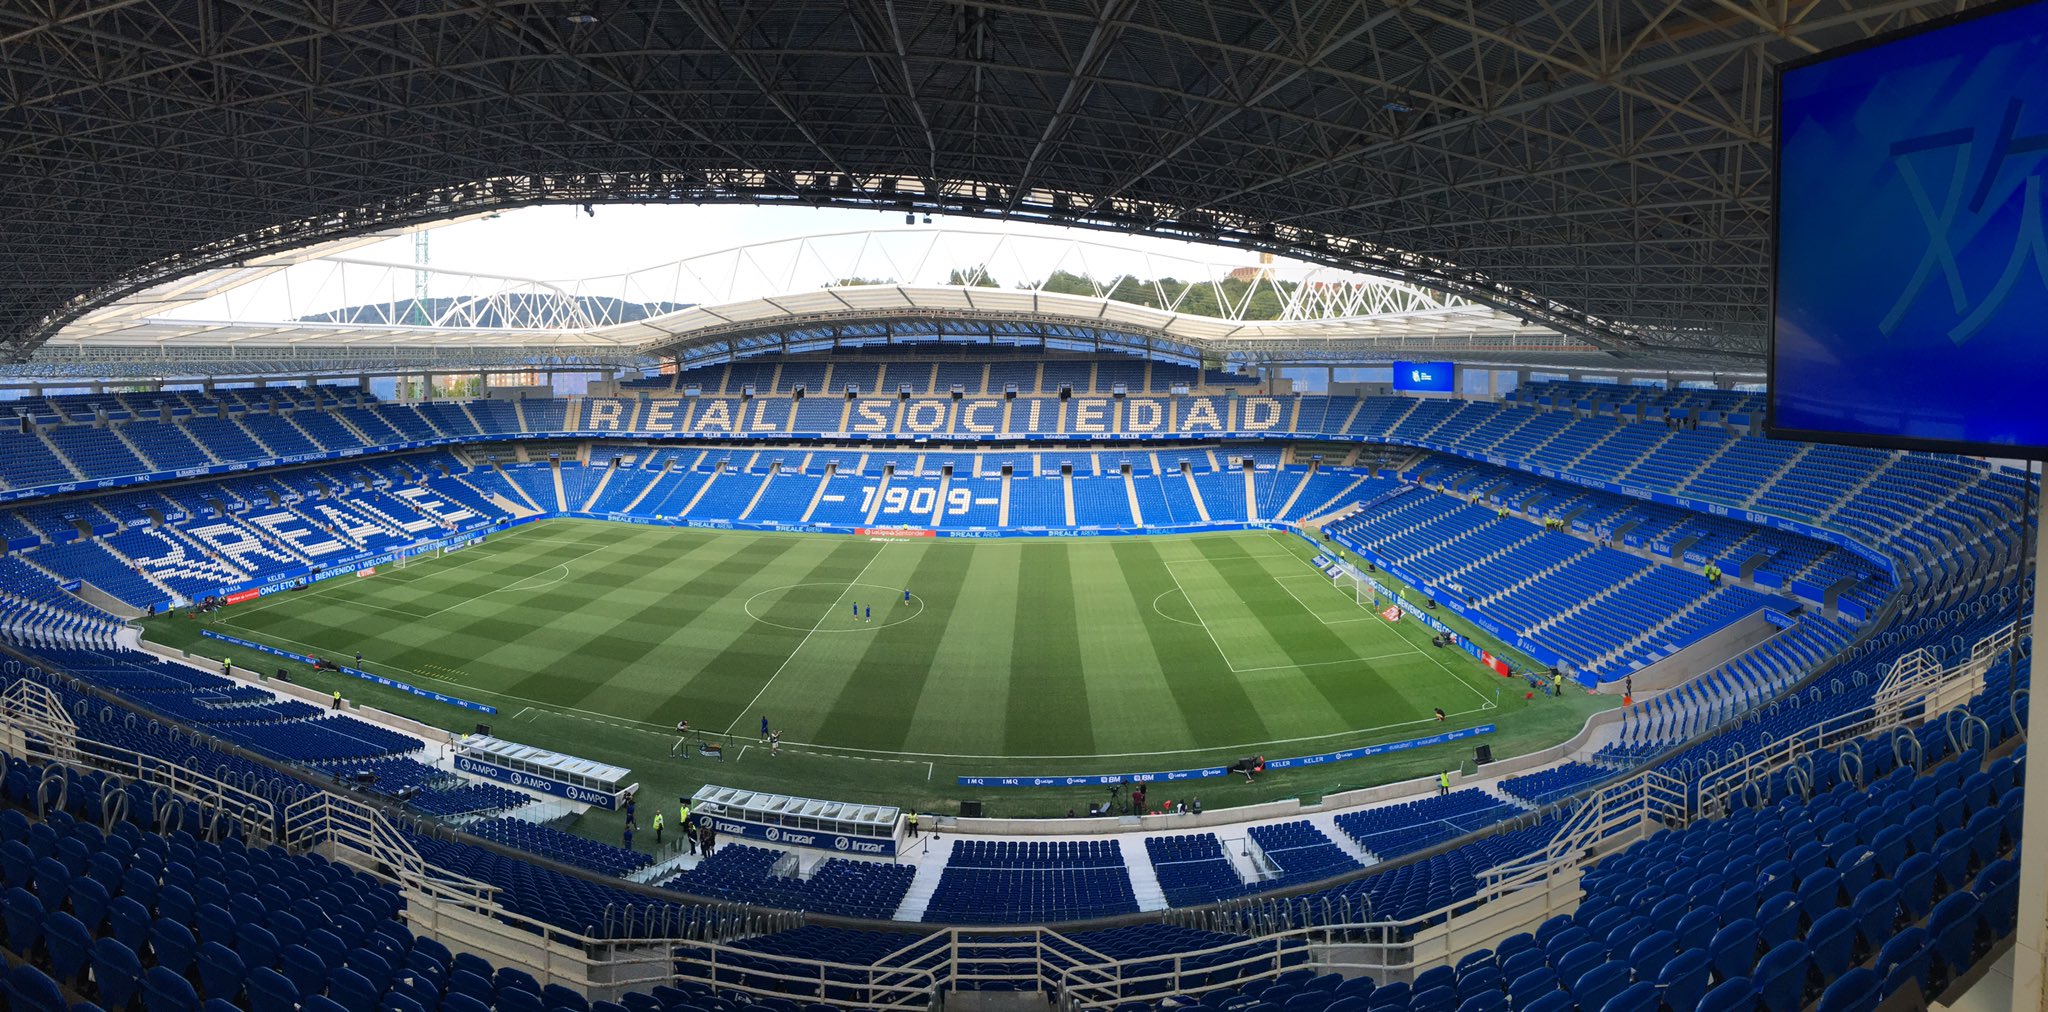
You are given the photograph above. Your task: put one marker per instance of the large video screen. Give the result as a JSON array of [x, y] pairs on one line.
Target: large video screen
[[1910, 306], [1426, 377]]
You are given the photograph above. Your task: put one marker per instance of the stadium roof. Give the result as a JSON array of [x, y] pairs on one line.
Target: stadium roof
[[324, 309], [1601, 170]]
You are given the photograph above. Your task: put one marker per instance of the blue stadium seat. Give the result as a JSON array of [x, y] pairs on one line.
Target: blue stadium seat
[[116, 971], [1685, 979], [1915, 879], [165, 990], [69, 944], [1858, 990], [1734, 949], [271, 991], [1781, 977], [1523, 991], [1832, 938], [1641, 996], [1596, 986], [1958, 932], [221, 972], [172, 946], [1906, 960], [30, 990]]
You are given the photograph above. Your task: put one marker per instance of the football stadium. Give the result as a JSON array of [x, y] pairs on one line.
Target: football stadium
[[825, 506]]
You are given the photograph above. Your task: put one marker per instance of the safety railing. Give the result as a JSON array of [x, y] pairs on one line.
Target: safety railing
[[38, 728], [1917, 690], [1606, 820], [638, 948]]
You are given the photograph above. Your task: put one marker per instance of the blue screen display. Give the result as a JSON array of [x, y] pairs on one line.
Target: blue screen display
[[1427, 377], [1912, 265]]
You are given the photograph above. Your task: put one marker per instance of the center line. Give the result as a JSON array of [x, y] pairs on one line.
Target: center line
[[828, 613]]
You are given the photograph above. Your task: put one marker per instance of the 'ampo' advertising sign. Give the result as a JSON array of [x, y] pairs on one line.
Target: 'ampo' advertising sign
[[531, 782]]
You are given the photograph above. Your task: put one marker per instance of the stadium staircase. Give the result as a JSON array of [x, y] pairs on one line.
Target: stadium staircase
[[1287, 508], [655, 476], [774, 469], [247, 430], [292, 420], [1589, 603], [1650, 633], [875, 507], [1067, 494], [531, 504], [936, 852], [508, 506], [830, 471], [122, 437], [1195, 492], [58, 452], [561, 495], [611, 468], [1791, 461], [1131, 494], [938, 513]]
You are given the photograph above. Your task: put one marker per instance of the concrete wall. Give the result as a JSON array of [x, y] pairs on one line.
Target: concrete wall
[[1702, 656]]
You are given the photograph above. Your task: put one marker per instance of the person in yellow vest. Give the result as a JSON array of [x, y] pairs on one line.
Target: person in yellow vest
[[1443, 783], [910, 823], [657, 829], [337, 699], [684, 821]]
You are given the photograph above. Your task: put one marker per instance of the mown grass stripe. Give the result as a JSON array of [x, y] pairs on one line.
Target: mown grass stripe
[[874, 707], [969, 681], [727, 681], [1048, 708], [1210, 702]]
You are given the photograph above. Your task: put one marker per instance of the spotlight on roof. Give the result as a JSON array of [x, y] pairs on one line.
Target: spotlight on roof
[[588, 210], [582, 17], [910, 219], [927, 219]]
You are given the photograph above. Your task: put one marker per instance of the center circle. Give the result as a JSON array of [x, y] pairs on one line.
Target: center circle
[[824, 622]]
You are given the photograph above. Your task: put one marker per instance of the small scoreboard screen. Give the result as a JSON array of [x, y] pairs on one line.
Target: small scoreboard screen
[[1426, 377]]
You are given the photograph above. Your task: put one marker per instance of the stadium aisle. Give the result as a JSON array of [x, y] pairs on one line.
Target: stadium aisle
[[1144, 877], [931, 863]]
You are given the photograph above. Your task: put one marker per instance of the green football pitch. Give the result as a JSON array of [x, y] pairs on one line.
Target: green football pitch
[[1013, 656]]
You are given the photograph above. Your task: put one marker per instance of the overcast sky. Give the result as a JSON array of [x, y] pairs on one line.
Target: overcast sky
[[563, 242], [631, 251]]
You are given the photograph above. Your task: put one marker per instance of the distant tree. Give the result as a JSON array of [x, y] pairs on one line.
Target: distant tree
[[1233, 297], [857, 282], [976, 276], [1067, 283]]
